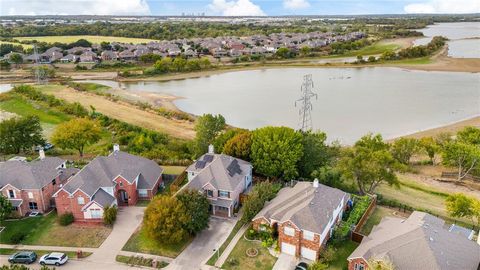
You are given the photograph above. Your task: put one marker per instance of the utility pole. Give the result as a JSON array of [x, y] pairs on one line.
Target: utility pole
[[305, 104]]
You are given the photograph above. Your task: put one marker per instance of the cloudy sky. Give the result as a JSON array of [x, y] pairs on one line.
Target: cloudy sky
[[234, 7]]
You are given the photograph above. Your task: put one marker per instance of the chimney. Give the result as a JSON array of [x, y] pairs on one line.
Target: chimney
[[116, 148], [315, 183], [211, 149], [41, 153]]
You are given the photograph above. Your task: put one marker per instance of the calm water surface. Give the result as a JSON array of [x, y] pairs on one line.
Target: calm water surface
[[464, 38], [351, 101]]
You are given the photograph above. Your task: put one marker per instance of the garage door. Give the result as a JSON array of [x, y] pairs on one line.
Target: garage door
[[309, 254], [288, 249]]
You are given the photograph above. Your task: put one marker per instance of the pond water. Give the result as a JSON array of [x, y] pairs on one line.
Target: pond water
[[5, 87], [351, 101], [464, 38]]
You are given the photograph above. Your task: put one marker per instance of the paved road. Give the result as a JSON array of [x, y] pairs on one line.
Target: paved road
[[201, 248], [79, 265]]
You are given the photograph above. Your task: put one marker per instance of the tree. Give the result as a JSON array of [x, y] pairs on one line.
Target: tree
[[469, 135], [283, 53], [207, 127], [150, 58], [404, 148], [464, 156], [430, 146], [223, 137], [5, 208], [315, 153], [16, 59], [369, 163], [163, 65], [20, 134], [44, 72], [76, 134], [276, 151], [197, 207], [260, 193], [318, 265], [380, 264], [165, 219], [462, 206], [109, 215], [239, 146]]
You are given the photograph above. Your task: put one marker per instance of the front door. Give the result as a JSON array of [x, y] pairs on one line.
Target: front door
[[122, 197]]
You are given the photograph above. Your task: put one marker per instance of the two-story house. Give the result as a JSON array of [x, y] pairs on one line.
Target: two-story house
[[117, 179], [222, 179], [29, 186], [304, 216]]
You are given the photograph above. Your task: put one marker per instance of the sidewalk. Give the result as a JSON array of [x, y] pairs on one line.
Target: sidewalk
[[231, 245], [50, 248]]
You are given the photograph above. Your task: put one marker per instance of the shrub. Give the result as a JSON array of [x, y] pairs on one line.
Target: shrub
[[357, 212], [65, 219], [233, 262], [329, 254], [17, 237], [109, 215]]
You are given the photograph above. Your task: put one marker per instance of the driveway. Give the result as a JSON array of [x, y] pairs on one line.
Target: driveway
[[285, 262], [201, 248]]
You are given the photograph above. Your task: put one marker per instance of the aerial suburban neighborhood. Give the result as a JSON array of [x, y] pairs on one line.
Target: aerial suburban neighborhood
[[239, 135]]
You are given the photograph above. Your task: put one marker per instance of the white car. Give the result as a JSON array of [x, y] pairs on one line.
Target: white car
[[54, 258]]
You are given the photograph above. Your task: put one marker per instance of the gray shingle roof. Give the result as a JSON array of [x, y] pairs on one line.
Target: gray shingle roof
[[309, 208], [218, 172], [101, 171], [30, 175], [103, 198], [420, 242]]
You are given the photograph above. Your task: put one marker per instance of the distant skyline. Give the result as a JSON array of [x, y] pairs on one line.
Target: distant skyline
[[235, 7]]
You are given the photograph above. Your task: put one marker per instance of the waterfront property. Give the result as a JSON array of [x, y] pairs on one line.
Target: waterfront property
[[304, 217], [222, 179], [117, 179], [421, 241], [29, 186]]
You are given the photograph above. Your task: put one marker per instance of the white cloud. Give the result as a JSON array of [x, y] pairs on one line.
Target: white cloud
[[296, 4], [236, 8], [74, 7], [444, 6]]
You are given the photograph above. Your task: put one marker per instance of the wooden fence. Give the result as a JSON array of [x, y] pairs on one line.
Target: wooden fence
[[455, 176], [356, 236]]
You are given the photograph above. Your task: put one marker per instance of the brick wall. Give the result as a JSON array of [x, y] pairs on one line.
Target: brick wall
[[352, 262], [65, 203], [293, 240], [130, 188], [259, 221]]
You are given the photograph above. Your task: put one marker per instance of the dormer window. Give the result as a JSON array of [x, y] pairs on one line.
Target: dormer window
[[11, 194], [224, 194], [120, 184], [209, 193]]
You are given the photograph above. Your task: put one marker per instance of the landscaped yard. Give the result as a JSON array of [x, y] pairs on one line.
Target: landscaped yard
[[44, 230], [238, 259], [377, 215], [344, 249], [140, 242]]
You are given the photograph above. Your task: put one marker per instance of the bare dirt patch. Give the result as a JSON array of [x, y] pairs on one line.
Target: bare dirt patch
[[452, 128]]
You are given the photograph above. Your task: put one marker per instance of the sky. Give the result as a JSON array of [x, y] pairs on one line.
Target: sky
[[234, 7]]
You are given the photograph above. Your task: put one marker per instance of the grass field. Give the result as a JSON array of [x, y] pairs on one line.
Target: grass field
[[344, 249], [141, 243], [173, 169], [377, 48], [25, 46], [92, 39]]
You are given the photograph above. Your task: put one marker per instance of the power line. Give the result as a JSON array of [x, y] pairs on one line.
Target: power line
[[305, 111]]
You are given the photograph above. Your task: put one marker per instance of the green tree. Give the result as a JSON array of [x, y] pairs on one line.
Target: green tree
[[380, 264], [260, 193], [208, 126], [109, 215], [163, 66], [276, 151], [431, 147], [239, 146], [165, 219], [179, 64], [465, 157], [197, 207], [5, 208], [283, 53], [150, 58], [461, 206], [305, 51], [318, 265], [469, 135], [315, 153], [20, 134], [223, 137], [43, 72], [369, 163], [76, 134], [404, 148], [16, 59]]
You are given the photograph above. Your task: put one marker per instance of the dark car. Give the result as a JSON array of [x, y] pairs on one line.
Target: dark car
[[301, 266], [23, 257]]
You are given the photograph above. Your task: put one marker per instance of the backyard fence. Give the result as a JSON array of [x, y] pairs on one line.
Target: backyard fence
[[356, 236]]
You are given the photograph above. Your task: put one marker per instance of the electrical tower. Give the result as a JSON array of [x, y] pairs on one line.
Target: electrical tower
[[40, 77], [305, 104]]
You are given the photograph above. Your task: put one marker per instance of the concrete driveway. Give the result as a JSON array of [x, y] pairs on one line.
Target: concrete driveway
[[201, 248], [285, 262]]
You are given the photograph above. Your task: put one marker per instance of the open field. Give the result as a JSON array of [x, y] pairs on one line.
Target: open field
[[92, 39], [343, 250], [25, 46]]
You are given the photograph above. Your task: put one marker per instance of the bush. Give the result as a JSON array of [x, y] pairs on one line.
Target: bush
[[17, 237], [65, 219], [109, 215], [329, 254], [233, 262], [354, 216]]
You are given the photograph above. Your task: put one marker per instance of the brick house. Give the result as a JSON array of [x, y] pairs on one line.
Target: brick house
[[117, 179], [29, 186], [222, 179], [304, 217], [421, 241]]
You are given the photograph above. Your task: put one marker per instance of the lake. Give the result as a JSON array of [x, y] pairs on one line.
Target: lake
[[464, 38], [351, 101]]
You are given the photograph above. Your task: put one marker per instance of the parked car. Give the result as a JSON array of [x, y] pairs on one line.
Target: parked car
[[54, 258], [45, 147], [23, 257], [301, 266]]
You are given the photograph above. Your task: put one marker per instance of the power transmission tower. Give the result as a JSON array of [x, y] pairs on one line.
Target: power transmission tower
[[305, 104], [36, 66]]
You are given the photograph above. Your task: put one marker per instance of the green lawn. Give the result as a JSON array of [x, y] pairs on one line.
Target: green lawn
[[344, 249], [238, 259], [70, 254], [140, 242], [25, 46], [232, 234], [377, 48], [173, 169], [92, 39], [44, 230]]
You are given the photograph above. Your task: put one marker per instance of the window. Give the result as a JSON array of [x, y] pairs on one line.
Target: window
[[11, 194], [80, 200], [121, 184], [289, 231], [209, 193], [142, 193], [30, 195], [358, 266], [307, 235], [54, 182], [95, 213], [222, 193], [32, 206]]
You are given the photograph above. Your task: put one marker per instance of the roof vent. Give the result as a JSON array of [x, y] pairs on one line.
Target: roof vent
[[116, 148], [431, 239], [211, 149], [315, 183], [41, 153]]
